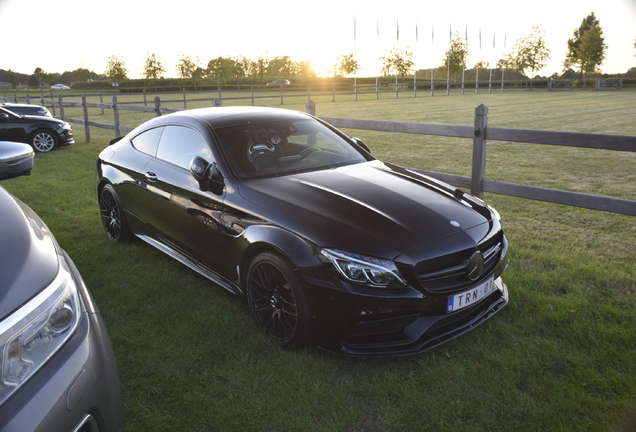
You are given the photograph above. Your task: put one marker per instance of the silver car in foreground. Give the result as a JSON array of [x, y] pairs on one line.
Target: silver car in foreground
[[58, 370]]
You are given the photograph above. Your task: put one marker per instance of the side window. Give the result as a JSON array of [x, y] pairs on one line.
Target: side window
[[180, 144], [148, 141]]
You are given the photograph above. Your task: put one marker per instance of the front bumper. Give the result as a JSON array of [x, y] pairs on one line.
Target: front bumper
[[67, 138], [78, 386], [363, 322], [408, 334]]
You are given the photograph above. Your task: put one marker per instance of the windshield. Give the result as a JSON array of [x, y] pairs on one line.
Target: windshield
[[283, 147]]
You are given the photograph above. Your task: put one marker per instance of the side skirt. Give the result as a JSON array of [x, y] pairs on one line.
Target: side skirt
[[194, 265]]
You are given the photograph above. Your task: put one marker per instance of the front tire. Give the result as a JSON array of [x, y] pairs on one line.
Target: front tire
[[277, 300], [113, 217], [43, 141]]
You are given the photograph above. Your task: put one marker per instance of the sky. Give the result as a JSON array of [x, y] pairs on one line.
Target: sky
[[63, 35]]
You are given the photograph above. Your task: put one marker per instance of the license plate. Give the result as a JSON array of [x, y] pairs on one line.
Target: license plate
[[471, 296]]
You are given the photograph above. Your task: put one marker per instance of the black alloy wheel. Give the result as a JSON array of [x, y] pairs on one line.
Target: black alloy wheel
[[113, 219], [277, 301], [43, 141]]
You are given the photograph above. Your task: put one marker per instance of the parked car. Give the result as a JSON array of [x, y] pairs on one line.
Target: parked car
[[27, 109], [58, 367], [16, 159], [43, 133], [60, 87], [329, 245], [279, 82]]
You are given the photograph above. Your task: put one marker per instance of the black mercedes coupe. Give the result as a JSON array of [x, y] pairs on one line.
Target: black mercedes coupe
[[328, 245]]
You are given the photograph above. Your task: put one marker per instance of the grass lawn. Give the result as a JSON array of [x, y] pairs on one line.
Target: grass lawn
[[560, 357]]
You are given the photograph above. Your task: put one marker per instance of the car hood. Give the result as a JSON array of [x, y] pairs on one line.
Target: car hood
[[29, 118], [28, 256], [371, 207]]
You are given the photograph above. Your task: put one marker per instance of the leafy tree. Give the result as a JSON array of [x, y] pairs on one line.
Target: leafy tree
[[222, 68], [83, 74], [282, 67], [153, 68], [39, 75], [591, 52], [456, 55], [347, 65], [116, 70], [242, 67], [258, 68], [587, 47], [187, 66], [398, 61], [529, 52], [306, 70]]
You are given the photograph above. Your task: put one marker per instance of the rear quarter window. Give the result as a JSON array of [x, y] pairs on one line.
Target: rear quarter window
[[148, 141]]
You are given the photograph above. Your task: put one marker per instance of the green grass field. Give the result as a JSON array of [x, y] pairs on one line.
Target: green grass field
[[560, 357]]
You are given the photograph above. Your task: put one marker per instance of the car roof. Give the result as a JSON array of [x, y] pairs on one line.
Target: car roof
[[226, 116], [16, 105]]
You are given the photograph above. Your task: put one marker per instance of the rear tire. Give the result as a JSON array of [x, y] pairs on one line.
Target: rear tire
[[277, 300], [113, 217]]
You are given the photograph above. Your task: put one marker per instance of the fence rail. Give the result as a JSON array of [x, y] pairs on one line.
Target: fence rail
[[480, 132]]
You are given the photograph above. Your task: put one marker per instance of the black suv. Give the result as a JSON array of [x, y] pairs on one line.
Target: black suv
[[27, 109], [43, 133]]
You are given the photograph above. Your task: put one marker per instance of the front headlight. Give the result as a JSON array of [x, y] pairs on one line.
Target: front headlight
[[361, 269], [30, 336]]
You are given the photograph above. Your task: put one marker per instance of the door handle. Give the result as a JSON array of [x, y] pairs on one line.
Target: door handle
[[151, 176]]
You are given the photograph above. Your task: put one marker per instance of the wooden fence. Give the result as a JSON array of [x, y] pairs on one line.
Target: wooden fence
[[480, 132]]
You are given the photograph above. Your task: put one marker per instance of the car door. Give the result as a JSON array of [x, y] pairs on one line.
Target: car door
[[11, 128], [180, 213]]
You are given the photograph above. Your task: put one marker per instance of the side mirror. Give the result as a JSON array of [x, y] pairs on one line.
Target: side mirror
[[16, 159], [4, 117], [361, 143], [207, 174]]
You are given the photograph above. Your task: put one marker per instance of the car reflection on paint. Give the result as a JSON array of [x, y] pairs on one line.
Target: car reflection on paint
[[328, 245]]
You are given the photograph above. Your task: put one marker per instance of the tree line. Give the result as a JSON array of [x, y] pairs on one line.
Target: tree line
[[586, 51]]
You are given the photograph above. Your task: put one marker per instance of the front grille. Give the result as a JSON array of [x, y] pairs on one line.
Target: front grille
[[447, 273]]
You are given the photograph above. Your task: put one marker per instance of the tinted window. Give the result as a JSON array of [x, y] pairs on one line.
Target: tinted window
[[281, 147], [148, 141], [179, 145]]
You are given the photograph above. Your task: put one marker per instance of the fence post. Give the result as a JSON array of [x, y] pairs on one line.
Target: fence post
[[59, 99], [157, 106], [116, 117], [87, 129], [185, 100], [355, 87], [479, 151], [311, 107]]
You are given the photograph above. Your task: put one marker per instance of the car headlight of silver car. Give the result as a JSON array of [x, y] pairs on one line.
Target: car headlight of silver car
[[31, 335], [366, 270]]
